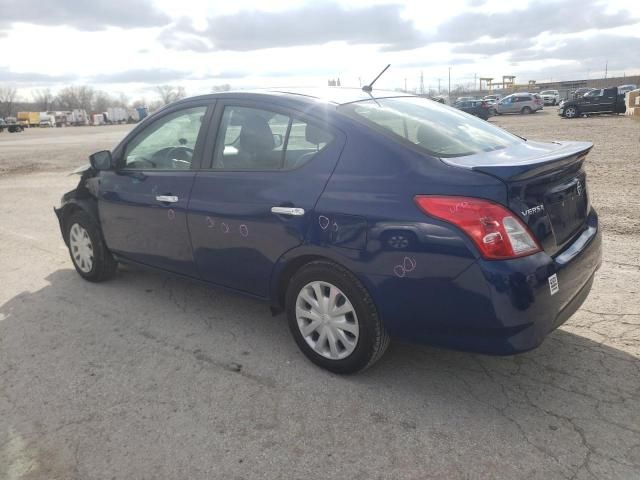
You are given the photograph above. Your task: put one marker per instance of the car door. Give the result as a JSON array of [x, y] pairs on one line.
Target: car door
[[143, 202], [608, 100], [509, 105], [268, 169], [591, 101]]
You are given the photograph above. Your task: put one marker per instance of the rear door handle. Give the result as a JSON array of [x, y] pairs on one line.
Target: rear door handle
[[291, 211], [167, 198]]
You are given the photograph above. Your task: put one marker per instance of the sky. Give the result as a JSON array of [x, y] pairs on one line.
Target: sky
[[130, 46]]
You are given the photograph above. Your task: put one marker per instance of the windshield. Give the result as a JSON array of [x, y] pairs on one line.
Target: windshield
[[548, 92], [432, 127]]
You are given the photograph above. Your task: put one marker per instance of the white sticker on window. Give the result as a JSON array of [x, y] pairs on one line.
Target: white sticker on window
[[553, 284]]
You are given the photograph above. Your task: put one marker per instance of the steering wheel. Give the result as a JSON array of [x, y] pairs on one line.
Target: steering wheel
[[180, 157]]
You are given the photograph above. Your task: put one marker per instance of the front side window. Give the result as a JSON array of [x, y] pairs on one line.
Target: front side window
[[262, 140], [433, 128], [168, 143]]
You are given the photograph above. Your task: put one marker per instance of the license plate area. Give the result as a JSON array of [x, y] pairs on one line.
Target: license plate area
[[566, 206]]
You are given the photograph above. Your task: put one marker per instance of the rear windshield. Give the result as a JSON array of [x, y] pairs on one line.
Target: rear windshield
[[434, 128]]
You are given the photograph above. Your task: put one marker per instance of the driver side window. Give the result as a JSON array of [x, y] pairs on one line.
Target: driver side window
[[167, 144]]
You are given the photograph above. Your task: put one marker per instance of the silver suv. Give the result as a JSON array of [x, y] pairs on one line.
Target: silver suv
[[519, 103]]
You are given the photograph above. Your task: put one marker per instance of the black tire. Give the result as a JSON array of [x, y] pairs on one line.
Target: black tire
[[526, 110], [571, 112], [104, 266], [373, 338]]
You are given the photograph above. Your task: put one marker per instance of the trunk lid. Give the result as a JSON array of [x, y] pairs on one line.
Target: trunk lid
[[546, 186]]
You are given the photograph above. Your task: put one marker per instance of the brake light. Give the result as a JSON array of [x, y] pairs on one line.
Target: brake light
[[495, 230]]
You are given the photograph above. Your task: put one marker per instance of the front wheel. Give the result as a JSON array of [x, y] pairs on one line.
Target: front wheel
[[333, 318], [571, 112], [88, 252]]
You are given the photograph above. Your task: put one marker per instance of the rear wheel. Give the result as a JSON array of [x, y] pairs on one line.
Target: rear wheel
[[526, 110], [571, 112], [333, 318], [88, 252]]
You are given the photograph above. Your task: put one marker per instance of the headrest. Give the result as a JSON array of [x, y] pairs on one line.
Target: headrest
[[425, 135], [315, 135], [255, 135]]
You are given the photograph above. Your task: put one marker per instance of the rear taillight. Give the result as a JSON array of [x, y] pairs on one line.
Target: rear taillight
[[495, 230]]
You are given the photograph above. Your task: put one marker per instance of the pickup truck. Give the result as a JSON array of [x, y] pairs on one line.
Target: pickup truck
[[11, 125], [600, 100]]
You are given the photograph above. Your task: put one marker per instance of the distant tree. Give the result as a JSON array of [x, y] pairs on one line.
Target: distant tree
[[76, 97], [43, 99], [102, 101], [141, 102], [123, 101], [169, 93], [225, 87], [8, 96]]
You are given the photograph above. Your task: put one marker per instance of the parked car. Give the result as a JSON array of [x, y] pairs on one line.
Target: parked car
[[362, 215], [622, 89], [495, 97], [519, 103], [601, 100], [441, 99], [550, 97], [479, 108], [11, 125], [579, 93], [464, 99]]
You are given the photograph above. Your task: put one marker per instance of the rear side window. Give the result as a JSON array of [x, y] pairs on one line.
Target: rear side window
[[262, 140], [436, 129]]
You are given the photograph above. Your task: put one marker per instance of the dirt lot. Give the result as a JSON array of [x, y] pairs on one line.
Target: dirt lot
[[151, 377]]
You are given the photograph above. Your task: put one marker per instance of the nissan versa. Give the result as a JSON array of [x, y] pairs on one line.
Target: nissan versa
[[363, 215]]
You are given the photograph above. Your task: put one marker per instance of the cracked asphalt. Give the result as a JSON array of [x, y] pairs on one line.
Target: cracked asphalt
[[151, 377]]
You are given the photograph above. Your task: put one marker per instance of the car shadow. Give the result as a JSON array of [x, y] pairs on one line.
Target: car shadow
[[573, 401]]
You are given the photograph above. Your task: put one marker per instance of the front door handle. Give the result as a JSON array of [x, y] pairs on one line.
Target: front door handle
[[295, 212], [167, 198]]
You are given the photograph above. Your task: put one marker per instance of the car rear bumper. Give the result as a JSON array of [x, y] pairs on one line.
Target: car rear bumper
[[499, 307]]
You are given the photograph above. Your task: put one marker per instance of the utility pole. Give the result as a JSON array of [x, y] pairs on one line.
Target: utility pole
[[606, 68], [439, 87], [421, 83], [474, 81], [449, 83], [405, 84]]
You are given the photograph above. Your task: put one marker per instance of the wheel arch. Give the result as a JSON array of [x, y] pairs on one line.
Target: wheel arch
[[73, 205], [292, 261]]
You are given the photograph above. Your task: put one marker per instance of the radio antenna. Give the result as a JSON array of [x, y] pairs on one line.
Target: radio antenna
[[368, 88]]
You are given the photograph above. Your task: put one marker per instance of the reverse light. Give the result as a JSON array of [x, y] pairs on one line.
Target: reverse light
[[494, 229]]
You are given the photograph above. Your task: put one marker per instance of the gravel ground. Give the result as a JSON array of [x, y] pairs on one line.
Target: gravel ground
[[148, 376]]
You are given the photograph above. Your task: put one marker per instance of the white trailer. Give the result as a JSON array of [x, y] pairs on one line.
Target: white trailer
[[116, 115], [79, 117]]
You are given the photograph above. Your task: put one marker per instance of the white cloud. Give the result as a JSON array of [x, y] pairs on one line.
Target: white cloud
[[131, 45]]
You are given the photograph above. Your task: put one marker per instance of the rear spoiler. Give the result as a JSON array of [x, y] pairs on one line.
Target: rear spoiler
[[529, 165]]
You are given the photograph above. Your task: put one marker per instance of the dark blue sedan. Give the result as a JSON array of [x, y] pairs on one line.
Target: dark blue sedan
[[363, 216]]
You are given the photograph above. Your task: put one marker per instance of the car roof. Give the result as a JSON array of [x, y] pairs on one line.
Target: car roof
[[329, 95]]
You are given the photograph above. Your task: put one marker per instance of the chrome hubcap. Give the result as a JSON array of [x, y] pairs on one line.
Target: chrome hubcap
[[327, 320], [81, 248], [570, 112]]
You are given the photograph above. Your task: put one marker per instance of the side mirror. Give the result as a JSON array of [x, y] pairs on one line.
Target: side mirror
[[101, 160], [277, 140]]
